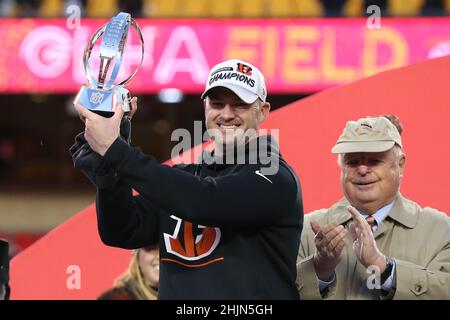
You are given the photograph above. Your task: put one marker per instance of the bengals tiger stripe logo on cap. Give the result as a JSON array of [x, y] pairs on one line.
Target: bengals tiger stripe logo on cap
[[245, 69]]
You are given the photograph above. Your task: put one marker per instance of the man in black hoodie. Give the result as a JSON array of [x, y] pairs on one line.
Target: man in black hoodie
[[229, 227]]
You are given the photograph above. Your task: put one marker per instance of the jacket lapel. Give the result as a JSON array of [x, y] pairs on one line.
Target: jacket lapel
[[404, 213]]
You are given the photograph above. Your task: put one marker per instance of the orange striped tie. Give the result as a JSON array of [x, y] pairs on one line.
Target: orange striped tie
[[372, 222]]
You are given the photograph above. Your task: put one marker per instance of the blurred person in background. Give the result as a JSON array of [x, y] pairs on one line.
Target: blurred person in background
[[7, 155], [28, 8], [7, 8], [4, 270], [133, 7], [393, 249], [333, 8], [140, 281], [382, 4], [434, 8]]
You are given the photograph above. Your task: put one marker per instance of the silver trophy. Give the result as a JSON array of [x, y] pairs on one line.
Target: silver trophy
[[101, 96]]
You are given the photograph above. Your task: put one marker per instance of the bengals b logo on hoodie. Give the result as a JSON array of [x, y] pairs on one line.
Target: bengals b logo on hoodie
[[191, 242]]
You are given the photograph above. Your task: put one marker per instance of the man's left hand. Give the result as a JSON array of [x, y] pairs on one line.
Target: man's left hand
[[364, 245], [100, 132]]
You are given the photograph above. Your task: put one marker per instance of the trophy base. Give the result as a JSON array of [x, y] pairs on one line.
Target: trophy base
[[102, 101]]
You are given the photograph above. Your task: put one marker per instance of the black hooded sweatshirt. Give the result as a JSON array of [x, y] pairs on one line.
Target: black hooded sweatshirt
[[226, 231]]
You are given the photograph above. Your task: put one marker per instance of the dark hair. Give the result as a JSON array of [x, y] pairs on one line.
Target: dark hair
[[395, 121]]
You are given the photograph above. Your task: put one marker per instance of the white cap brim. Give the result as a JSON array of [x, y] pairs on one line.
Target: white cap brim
[[362, 146], [245, 95]]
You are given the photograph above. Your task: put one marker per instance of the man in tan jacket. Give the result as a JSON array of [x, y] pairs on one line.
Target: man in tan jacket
[[374, 243]]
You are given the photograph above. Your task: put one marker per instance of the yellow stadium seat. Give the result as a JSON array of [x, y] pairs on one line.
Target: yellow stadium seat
[[353, 8], [400, 8], [309, 8], [282, 8], [162, 8], [51, 8], [194, 9], [447, 7], [224, 8], [253, 9], [102, 9]]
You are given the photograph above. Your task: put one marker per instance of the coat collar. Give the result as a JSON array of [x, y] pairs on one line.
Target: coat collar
[[403, 211]]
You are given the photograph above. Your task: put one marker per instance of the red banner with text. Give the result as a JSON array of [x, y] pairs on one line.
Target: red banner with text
[[296, 55]]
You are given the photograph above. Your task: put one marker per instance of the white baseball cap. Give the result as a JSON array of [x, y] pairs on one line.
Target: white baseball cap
[[241, 77]]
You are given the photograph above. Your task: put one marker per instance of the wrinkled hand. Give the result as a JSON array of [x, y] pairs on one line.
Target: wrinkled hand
[[101, 132], [364, 245], [329, 241]]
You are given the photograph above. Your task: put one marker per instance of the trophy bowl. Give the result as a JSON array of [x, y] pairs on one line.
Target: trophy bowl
[[100, 96]]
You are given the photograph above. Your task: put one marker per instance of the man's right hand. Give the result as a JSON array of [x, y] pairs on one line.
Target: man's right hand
[[329, 241]]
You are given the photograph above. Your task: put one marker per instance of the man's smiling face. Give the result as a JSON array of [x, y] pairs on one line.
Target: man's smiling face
[[371, 180], [230, 117]]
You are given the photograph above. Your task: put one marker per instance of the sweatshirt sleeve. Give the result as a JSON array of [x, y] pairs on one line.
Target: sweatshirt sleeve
[[246, 198], [124, 220]]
